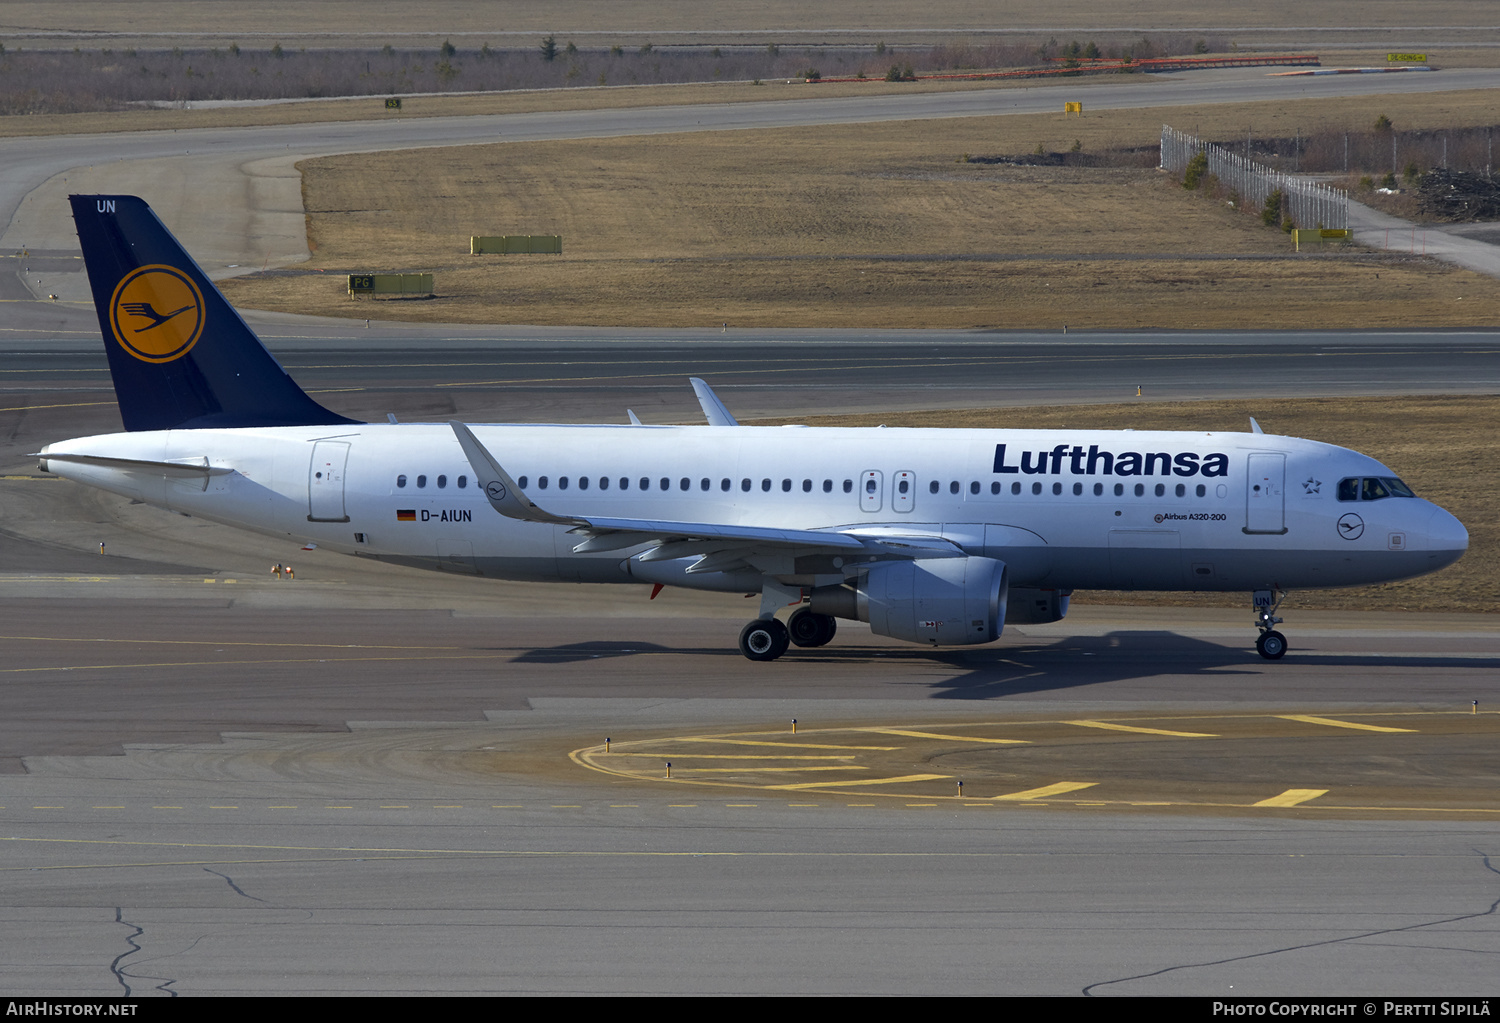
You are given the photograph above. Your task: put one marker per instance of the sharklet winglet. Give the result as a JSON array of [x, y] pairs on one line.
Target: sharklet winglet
[[505, 496]]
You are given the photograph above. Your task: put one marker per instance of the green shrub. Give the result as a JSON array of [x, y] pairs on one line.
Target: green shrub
[[1271, 215], [1196, 168]]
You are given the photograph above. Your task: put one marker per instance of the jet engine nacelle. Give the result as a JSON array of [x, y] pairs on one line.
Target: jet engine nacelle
[[1036, 607], [939, 601]]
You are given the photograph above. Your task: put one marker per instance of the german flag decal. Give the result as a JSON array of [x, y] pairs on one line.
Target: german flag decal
[[406, 515]]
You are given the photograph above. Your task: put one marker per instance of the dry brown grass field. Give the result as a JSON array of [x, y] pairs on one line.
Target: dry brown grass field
[[1435, 448], [878, 225]]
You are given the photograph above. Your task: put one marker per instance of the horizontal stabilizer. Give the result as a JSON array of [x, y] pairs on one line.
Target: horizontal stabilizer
[[177, 468]]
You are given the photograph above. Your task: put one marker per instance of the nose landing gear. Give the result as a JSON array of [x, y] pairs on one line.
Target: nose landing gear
[[1270, 644]]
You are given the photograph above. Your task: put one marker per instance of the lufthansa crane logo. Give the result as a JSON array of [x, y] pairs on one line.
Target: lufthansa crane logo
[[157, 313], [495, 491], [1351, 526]]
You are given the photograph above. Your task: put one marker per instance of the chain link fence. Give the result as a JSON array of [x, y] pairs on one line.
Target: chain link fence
[[1308, 203]]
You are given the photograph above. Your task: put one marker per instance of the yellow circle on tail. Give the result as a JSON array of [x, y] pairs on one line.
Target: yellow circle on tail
[[157, 313]]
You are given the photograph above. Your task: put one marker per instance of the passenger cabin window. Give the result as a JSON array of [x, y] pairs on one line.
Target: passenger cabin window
[[442, 482], [522, 482], [848, 486], [421, 481], [463, 482], [932, 488], [401, 482]]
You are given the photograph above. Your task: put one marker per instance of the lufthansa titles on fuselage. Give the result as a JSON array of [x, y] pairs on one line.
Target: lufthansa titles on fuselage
[[1080, 461]]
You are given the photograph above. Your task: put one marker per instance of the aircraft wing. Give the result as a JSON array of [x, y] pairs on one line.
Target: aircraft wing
[[716, 544]]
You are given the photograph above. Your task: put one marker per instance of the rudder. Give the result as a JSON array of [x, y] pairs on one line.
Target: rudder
[[179, 354]]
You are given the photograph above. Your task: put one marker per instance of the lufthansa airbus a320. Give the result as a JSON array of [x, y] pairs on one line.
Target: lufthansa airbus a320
[[936, 537]]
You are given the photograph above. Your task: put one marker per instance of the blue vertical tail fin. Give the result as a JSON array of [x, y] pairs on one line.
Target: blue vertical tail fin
[[180, 356]]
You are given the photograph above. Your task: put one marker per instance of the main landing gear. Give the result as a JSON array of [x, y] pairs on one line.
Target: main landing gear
[[767, 639], [1270, 644]]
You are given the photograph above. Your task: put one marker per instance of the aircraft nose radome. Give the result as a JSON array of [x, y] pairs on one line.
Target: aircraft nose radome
[[1446, 533]]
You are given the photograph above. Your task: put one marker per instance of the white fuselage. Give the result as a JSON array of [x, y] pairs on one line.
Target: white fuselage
[[1065, 510]]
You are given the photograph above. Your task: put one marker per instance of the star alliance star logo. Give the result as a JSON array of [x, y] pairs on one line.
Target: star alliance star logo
[[1310, 485]]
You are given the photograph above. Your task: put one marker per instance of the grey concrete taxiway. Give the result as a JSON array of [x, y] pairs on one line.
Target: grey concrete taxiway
[[376, 780]]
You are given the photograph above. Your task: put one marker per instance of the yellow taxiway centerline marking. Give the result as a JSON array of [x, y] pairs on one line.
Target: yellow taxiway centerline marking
[[222, 643], [1056, 789], [1293, 797], [1313, 720], [762, 770], [1136, 728], [75, 404], [936, 735], [864, 781], [726, 756], [788, 745]]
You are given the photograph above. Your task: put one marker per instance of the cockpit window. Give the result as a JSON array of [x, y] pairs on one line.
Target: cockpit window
[[1372, 488]]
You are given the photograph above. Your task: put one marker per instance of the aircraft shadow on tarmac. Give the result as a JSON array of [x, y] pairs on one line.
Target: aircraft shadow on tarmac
[[1033, 667]]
